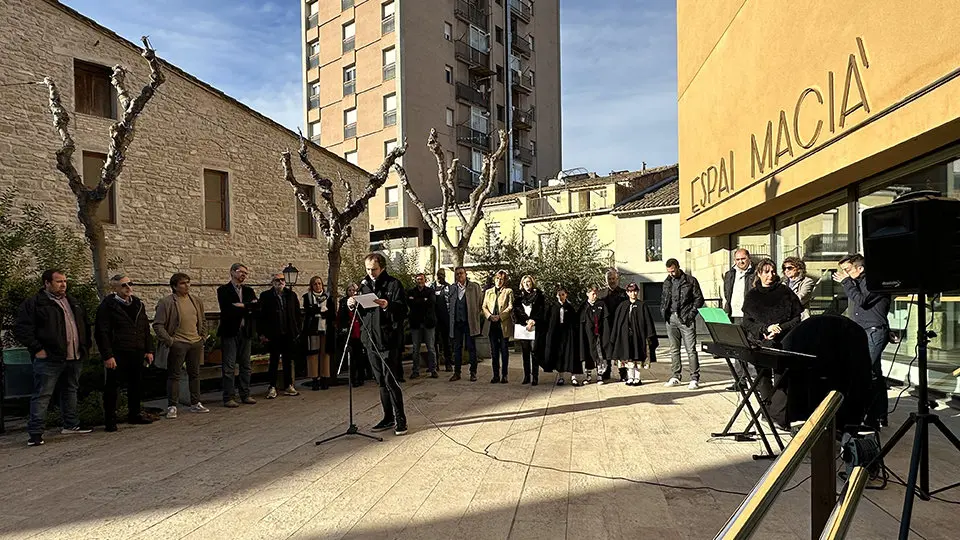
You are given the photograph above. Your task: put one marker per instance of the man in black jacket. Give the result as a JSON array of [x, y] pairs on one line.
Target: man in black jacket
[[381, 329], [679, 304], [237, 305], [54, 329], [123, 339], [280, 324], [441, 292], [423, 321]]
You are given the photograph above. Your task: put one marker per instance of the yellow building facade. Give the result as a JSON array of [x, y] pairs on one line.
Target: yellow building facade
[[795, 119]]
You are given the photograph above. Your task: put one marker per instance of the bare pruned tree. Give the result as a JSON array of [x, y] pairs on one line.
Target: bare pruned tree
[[447, 176], [121, 135], [335, 221]]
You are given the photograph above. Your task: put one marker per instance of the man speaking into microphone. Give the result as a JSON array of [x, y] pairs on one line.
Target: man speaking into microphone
[[381, 331]]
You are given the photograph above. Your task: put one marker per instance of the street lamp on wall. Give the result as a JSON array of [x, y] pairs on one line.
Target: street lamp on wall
[[290, 274]]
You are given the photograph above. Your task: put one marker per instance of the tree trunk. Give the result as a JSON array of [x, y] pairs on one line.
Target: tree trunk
[[333, 275], [93, 231], [458, 256]]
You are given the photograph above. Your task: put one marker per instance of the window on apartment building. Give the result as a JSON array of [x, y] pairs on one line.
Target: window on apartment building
[[306, 227], [313, 19], [387, 17], [346, 4], [447, 31], [530, 76], [351, 157], [448, 74], [313, 54], [215, 200], [499, 74], [389, 63], [93, 93], [92, 165], [350, 80], [313, 131], [449, 117], [313, 99], [390, 110], [500, 113], [391, 207], [350, 123], [476, 163], [349, 36], [654, 240], [389, 146], [479, 39], [498, 33]]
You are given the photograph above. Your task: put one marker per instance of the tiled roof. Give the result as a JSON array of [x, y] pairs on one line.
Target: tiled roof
[[664, 194], [603, 180]]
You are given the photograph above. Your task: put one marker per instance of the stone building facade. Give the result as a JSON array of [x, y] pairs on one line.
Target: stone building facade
[[202, 187]]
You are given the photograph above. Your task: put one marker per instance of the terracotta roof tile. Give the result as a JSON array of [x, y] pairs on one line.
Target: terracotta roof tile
[[664, 194]]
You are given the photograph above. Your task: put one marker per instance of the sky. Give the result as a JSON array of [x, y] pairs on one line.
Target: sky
[[618, 66]]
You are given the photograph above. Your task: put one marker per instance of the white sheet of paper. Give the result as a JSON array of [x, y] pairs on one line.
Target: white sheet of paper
[[520, 332], [367, 301]]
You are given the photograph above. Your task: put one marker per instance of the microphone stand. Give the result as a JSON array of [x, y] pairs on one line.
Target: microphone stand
[[352, 429]]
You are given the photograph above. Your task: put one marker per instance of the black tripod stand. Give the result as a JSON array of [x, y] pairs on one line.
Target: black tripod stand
[[352, 428], [922, 420]]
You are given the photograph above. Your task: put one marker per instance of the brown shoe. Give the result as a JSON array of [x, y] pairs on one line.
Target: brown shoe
[[455, 377], [473, 377], [248, 401], [231, 404]]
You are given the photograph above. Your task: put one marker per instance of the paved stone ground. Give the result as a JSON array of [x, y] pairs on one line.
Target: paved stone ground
[[461, 472]]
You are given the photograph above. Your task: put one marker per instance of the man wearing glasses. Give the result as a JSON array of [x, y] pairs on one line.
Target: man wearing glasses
[[123, 339], [279, 325], [736, 282], [237, 305]]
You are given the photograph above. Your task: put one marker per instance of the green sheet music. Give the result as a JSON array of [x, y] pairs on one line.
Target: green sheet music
[[714, 315]]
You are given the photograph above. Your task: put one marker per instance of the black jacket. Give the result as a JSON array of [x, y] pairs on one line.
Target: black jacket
[[728, 280], [278, 321], [39, 327], [441, 293], [612, 298], [116, 331], [538, 313], [313, 311], [691, 298], [231, 315], [764, 306], [379, 324], [423, 307], [869, 309], [594, 328], [633, 336]]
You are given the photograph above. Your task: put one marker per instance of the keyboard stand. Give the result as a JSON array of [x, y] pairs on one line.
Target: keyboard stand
[[746, 405]]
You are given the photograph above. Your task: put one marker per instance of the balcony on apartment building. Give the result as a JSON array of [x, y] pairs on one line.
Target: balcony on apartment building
[[346, 4], [313, 61], [520, 45], [313, 102], [471, 13], [478, 61], [475, 138], [472, 95], [525, 155], [521, 82], [467, 178], [523, 119], [313, 21], [522, 8]]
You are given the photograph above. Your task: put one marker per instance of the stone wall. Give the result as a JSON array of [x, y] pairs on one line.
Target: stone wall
[[186, 127]]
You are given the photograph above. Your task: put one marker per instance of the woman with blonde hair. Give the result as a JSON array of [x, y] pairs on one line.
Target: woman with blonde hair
[[795, 270], [529, 311], [318, 315]]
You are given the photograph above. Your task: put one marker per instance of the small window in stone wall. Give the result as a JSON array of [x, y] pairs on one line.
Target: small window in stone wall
[[306, 227], [93, 93], [92, 167], [216, 208]]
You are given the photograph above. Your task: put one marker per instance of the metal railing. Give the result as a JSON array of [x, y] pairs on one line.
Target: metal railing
[[471, 55], [313, 61], [471, 94], [520, 44], [389, 71], [470, 12], [467, 135], [525, 155], [387, 24], [817, 437], [313, 102], [313, 21], [468, 177], [521, 82], [523, 119], [522, 8], [348, 44], [349, 87]]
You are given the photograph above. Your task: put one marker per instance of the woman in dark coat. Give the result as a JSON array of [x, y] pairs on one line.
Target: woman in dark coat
[[594, 332], [349, 331], [770, 310], [632, 335], [529, 311], [318, 316], [561, 346]]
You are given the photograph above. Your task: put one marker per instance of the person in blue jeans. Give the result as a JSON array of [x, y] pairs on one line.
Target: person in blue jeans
[[464, 307], [54, 329], [681, 299], [423, 323]]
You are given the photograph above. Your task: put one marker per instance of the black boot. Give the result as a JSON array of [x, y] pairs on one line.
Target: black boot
[[324, 383], [315, 384]]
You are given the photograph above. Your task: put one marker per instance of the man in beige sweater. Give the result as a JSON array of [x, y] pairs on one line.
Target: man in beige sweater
[[180, 328]]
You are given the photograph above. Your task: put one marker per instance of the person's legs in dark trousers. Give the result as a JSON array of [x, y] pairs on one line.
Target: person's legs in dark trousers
[[442, 339], [275, 347], [525, 351], [111, 391], [429, 337], [45, 376], [416, 338], [132, 371], [460, 331], [391, 398], [228, 366], [471, 345], [877, 338], [504, 358], [178, 352], [194, 357], [496, 346], [394, 343]]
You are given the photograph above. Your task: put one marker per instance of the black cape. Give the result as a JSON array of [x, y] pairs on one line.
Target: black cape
[[594, 329], [561, 341], [633, 332]]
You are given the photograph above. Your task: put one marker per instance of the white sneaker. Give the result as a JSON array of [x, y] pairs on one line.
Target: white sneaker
[[599, 381], [199, 408], [171, 412], [291, 391], [272, 393], [672, 382], [694, 384], [574, 381]]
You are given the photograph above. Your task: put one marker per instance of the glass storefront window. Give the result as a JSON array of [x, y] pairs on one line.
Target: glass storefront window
[[754, 239], [943, 312]]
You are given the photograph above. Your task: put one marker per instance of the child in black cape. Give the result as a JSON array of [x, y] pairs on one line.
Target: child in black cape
[[593, 335], [561, 346], [633, 335]]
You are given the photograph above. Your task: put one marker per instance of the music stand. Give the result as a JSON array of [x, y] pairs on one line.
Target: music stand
[[352, 428], [922, 420]]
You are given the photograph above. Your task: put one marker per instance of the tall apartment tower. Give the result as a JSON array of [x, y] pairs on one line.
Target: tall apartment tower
[[380, 71]]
